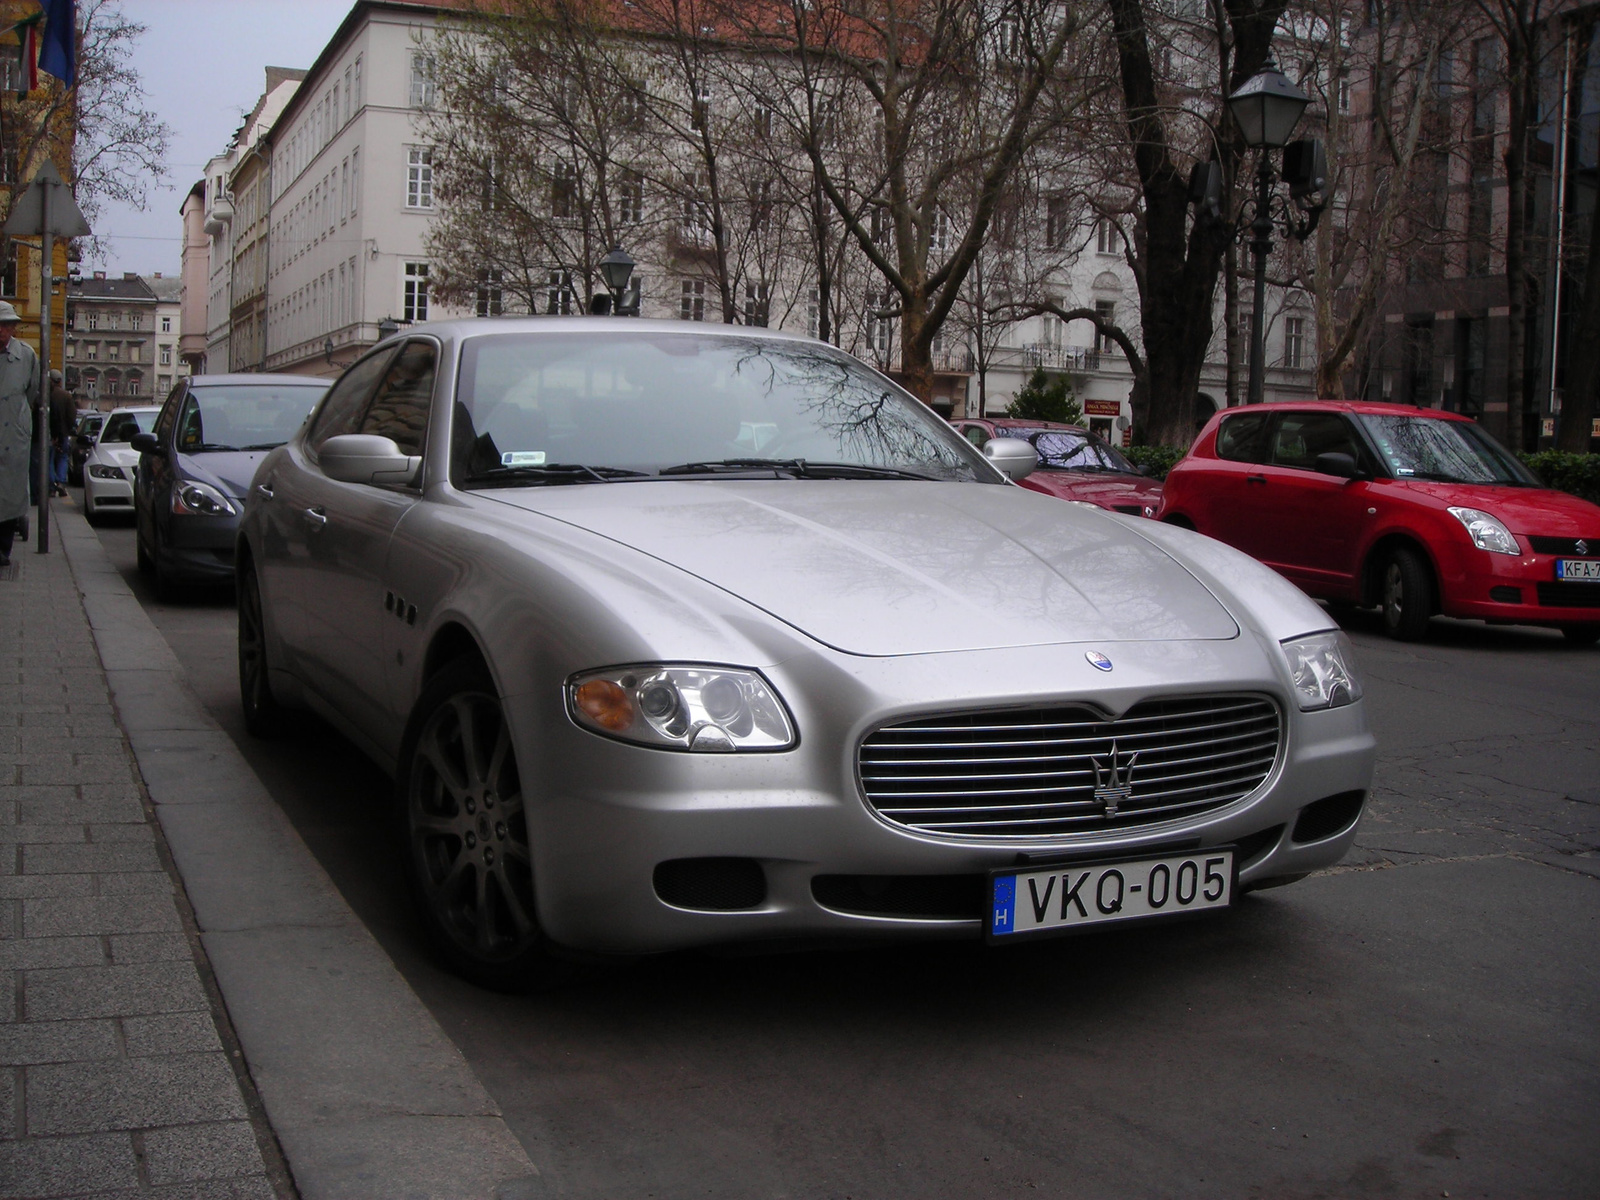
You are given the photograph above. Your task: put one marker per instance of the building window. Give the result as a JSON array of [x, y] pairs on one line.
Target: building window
[[419, 177], [1057, 220], [757, 304], [761, 206], [136, 321], [761, 120], [163, 384], [1344, 89], [416, 292], [91, 350], [940, 236], [880, 325], [72, 348], [558, 294], [630, 203], [696, 206], [563, 191], [421, 80], [113, 351], [166, 324], [692, 305], [1106, 238], [1294, 342], [814, 313], [355, 180], [491, 297], [701, 110], [1106, 310], [166, 356]]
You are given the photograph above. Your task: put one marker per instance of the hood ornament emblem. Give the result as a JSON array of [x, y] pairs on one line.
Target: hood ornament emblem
[[1098, 661], [1113, 781], [1582, 547]]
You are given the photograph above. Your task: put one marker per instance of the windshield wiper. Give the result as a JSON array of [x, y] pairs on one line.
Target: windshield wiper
[[208, 446], [529, 475], [262, 446], [799, 468]]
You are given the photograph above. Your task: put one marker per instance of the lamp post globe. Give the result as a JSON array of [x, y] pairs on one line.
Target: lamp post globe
[[387, 328], [616, 268], [1267, 107]]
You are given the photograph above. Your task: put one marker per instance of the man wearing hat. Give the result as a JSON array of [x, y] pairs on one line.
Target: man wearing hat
[[19, 393]]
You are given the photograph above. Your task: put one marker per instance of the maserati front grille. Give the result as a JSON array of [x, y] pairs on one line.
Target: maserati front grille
[[1043, 772]]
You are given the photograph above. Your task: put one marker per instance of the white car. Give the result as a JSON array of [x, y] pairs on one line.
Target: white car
[[112, 464]]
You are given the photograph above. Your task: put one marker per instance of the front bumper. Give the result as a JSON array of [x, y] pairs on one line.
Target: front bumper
[[107, 495], [604, 815], [1521, 589], [199, 549]]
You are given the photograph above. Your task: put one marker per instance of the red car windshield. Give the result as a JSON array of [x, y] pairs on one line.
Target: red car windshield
[[1062, 450], [1446, 451]]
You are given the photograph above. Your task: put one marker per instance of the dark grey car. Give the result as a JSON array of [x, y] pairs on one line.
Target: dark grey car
[[195, 468]]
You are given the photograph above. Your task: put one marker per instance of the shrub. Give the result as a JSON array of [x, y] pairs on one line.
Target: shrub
[[1575, 473], [1044, 398], [1158, 460]]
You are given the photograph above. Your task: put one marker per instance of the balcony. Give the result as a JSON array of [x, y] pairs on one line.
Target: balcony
[[1066, 358]]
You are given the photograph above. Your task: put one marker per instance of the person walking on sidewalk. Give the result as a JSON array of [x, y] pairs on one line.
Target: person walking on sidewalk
[[63, 417], [19, 392]]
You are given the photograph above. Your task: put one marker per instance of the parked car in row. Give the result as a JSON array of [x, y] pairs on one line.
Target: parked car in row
[[643, 688], [196, 465], [1074, 464], [1419, 511], [81, 442], [112, 462]]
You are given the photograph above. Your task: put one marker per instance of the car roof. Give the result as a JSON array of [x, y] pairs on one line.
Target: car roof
[[466, 327], [1024, 423], [1353, 406], [259, 377], [143, 408]]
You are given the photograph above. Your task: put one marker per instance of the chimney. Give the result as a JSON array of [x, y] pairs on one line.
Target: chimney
[[158, 275], [99, 274], [130, 275]]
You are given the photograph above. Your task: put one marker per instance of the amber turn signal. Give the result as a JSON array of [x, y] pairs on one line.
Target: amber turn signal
[[605, 703]]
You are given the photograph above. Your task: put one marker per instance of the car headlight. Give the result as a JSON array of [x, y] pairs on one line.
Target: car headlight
[[705, 709], [1320, 668], [101, 471], [191, 499], [1487, 533]]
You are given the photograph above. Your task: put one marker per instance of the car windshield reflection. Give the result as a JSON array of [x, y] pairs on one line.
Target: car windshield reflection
[[688, 406], [1444, 451], [120, 427], [242, 416], [1065, 450]]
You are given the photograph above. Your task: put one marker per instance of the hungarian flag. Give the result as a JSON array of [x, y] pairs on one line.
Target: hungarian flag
[[58, 49], [28, 41]]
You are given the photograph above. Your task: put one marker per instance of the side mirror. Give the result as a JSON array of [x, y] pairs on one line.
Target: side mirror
[[1014, 458], [146, 443], [367, 458], [1336, 462]]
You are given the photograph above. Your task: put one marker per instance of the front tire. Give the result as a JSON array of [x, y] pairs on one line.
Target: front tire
[[465, 834], [1581, 635], [1407, 595], [264, 717]]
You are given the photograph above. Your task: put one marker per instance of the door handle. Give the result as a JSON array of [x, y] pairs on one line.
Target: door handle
[[316, 518], [1261, 479]]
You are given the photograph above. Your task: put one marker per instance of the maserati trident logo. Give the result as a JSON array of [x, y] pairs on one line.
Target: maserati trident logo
[[1582, 547], [1113, 781], [1098, 661]]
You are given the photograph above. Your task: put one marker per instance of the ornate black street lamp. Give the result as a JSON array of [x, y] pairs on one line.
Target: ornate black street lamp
[[387, 328], [616, 268], [1267, 107]]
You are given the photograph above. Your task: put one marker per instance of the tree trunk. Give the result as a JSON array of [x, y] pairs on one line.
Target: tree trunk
[[1583, 363]]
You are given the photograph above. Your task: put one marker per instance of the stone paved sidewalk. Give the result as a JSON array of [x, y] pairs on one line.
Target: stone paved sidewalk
[[116, 1079]]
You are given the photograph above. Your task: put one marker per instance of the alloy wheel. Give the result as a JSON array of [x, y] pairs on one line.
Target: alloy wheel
[[468, 831]]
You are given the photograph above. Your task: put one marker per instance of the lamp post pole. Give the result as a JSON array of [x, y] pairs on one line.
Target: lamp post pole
[[1261, 245]]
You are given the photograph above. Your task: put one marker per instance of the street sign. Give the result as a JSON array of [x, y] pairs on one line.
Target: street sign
[[31, 216]]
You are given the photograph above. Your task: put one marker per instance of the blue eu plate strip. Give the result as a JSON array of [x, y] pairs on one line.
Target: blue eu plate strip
[[1004, 909]]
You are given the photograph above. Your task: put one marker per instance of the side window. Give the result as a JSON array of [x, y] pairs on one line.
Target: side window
[[191, 430], [399, 409], [341, 408], [976, 434], [1243, 438], [1300, 437], [169, 413]]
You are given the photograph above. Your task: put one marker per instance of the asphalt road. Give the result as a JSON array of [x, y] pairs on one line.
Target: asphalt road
[[1420, 1021]]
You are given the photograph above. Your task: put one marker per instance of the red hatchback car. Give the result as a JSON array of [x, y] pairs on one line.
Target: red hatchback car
[[1416, 510], [1074, 464]]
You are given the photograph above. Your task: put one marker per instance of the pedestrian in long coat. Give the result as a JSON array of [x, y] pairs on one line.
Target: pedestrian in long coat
[[19, 393]]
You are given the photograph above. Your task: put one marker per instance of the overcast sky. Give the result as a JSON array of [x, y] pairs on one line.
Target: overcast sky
[[203, 63]]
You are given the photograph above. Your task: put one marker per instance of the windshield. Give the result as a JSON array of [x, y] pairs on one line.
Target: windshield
[[580, 408], [120, 427], [1447, 451], [1064, 450], [243, 416]]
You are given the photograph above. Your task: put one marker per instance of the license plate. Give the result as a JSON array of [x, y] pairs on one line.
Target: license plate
[[1587, 569], [1067, 896]]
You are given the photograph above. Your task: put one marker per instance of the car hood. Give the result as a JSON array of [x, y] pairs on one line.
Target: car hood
[[890, 568], [1105, 489], [1539, 512], [115, 454], [228, 470]]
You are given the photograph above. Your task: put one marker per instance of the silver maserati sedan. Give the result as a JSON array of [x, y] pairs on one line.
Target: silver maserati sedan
[[675, 634]]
